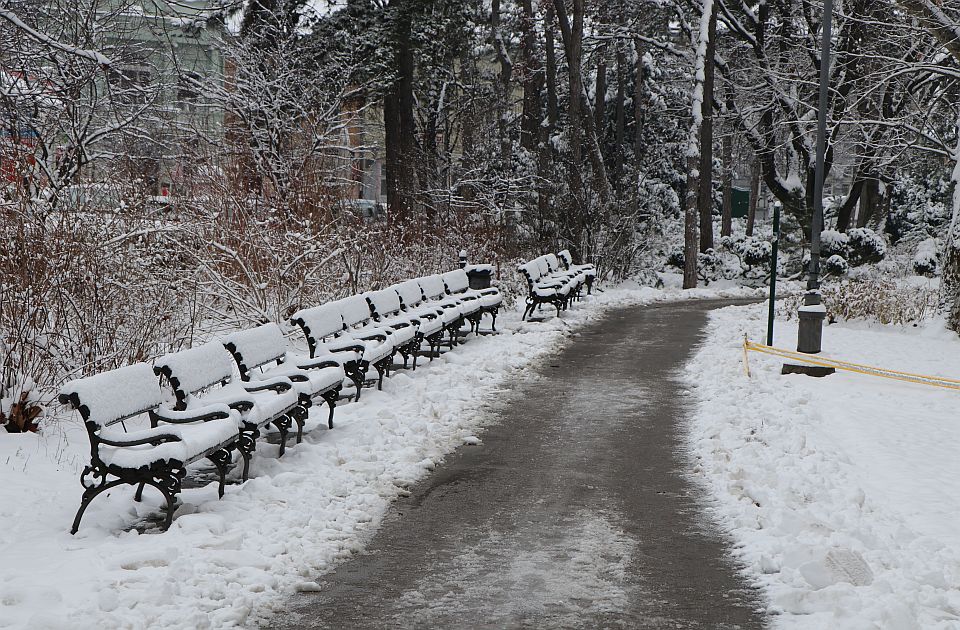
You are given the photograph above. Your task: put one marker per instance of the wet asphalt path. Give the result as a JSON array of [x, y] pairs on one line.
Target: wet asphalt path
[[575, 511]]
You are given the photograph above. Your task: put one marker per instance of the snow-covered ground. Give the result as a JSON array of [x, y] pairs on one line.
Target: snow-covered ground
[[231, 562], [842, 493]]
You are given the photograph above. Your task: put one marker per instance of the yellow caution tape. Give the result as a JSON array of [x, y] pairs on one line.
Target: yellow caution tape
[[849, 366]]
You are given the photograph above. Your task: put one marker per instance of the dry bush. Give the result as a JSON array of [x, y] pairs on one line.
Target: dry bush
[[91, 291], [883, 301]]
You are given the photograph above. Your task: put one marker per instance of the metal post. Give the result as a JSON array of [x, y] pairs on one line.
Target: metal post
[[812, 312], [463, 258], [773, 271]]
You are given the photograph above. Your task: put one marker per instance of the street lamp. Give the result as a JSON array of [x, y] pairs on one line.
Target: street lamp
[[812, 313]]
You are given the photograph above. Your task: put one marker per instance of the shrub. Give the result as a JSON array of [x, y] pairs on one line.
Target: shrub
[[925, 260], [709, 264], [675, 258], [754, 251], [836, 265], [883, 301], [833, 243], [866, 246]]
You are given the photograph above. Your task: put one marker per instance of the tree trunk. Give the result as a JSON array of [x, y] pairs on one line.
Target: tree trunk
[[573, 46], [503, 93], [869, 201], [845, 211], [620, 122], [600, 88], [399, 123], [705, 180], [754, 195], [727, 218], [550, 55], [950, 273], [532, 81], [690, 226]]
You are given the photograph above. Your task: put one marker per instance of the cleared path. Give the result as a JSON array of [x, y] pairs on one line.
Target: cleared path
[[575, 511]]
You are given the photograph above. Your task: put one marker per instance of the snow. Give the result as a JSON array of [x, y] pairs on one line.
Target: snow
[[322, 321], [198, 367], [192, 439], [487, 269], [117, 394], [257, 346], [456, 281], [840, 492], [354, 310], [432, 286], [231, 562]]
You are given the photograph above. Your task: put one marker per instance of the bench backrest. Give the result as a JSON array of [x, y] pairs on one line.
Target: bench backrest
[[432, 286], [110, 397], [383, 303], [552, 262], [565, 257], [189, 371], [319, 322], [410, 293], [543, 266], [457, 281], [254, 347], [355, 310], [531, 270]]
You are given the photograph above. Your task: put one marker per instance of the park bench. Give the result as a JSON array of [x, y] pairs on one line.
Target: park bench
[[435, 321], [328, 333], [261, 355], [386, 310], [589, 271], [458, 285], [545, 286], [205, 374], [155, 456], [467, 307]]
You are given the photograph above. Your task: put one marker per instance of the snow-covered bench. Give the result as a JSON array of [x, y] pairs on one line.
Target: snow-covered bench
[[490, 300], [548, 286], [588, 270], [262, 356], [434, 320], [467, 307], [385, 308], [341, 329], [156, 456]]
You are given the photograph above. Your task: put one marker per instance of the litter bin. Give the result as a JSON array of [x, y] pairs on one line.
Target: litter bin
[[479, 276]]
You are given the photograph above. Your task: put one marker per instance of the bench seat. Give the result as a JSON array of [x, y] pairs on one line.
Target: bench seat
[[194, 442]]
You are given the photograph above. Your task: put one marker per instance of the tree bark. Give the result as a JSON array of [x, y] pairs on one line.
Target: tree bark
[[620, 122], [550, 56], [754, 195], [690, 225], [705, 180], [727, 217], [532, 115], [573, 46], [600, 88], [399, 123]]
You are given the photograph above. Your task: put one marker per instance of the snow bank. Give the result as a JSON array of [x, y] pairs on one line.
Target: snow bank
[[232, 562], [841, 492]]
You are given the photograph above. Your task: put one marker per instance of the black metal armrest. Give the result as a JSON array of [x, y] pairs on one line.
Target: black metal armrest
[[306, 364], [184, 417], [370, 336], [155, 439], [275, 385]]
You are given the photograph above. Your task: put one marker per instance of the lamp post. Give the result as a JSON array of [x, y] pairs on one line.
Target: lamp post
[[812, 313]]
